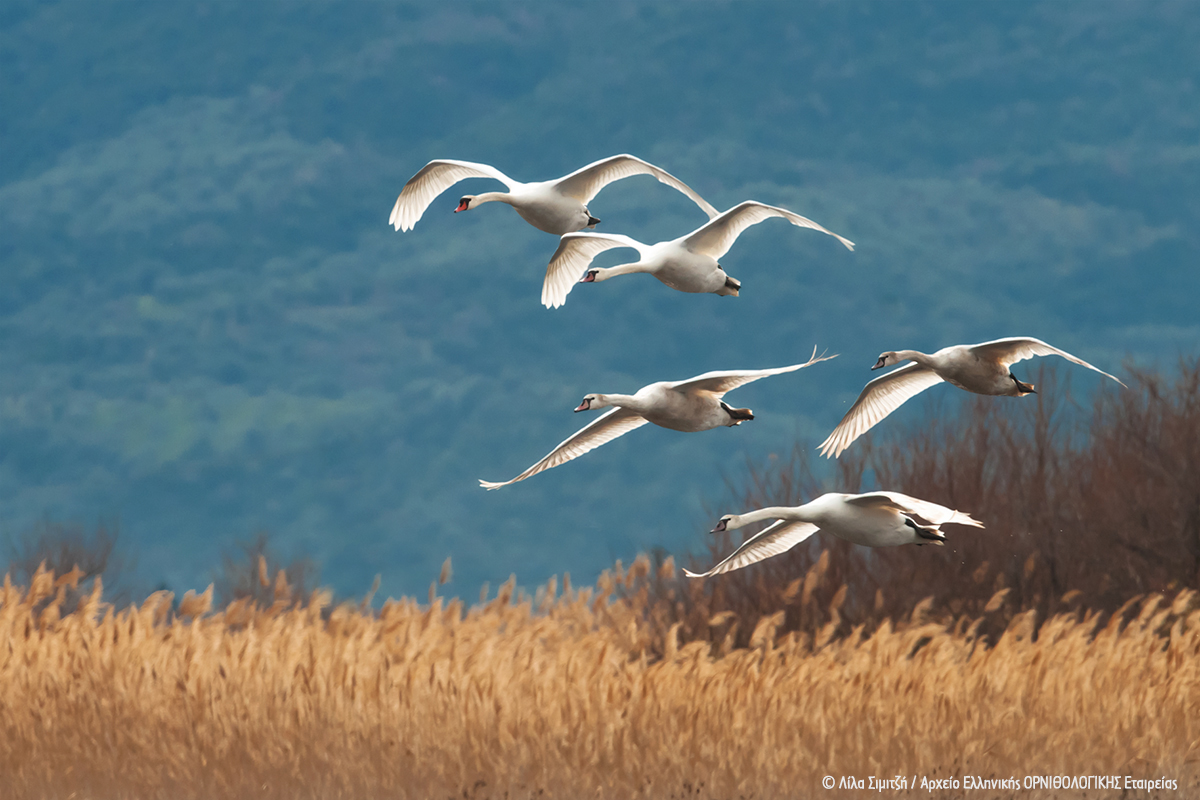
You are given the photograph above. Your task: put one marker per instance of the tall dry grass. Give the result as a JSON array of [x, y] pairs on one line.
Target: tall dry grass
[[560, 696]]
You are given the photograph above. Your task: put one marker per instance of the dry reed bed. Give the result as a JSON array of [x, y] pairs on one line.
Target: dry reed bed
[[557, 696]]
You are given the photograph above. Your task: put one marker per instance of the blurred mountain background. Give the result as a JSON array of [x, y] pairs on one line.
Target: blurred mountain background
[[207, 328]]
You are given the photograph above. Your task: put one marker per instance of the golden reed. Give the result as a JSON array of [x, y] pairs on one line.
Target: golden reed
[[578, 694]]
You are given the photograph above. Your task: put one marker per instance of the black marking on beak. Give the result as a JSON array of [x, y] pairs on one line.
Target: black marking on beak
[[879, 364], [586, 405], [590, 277], [463, 205], [721, 525], [592, 221]]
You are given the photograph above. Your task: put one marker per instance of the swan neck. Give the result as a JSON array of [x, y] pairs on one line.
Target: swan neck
[[622, 400], [492, 197], [620, 269], [772, 512], [914, 355]]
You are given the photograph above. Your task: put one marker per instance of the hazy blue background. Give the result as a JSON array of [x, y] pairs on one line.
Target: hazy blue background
[[207, 327]]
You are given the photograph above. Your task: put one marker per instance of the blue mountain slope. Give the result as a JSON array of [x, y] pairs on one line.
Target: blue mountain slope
[[208, 328]]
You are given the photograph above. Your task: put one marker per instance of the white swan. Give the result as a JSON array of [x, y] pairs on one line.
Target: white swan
[[981, 368], [558, 206], [688, 263], [875, 519], [691, 405]]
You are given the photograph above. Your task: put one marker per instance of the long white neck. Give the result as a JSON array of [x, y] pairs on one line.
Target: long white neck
[[621, 269], [914, 355], [771, 512], [622, 400], [492, 197]]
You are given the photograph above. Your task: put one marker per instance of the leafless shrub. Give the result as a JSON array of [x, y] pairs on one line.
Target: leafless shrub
[[256, 575], [65, 547], [1082, 510]]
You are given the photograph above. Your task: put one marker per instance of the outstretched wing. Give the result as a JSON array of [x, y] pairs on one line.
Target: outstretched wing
[[433, 179], [615, 423], [716, 236], [879, 398], [575, 252], [771, 541], [718, 383], [923, 510], [1019, 348], [584, 184]]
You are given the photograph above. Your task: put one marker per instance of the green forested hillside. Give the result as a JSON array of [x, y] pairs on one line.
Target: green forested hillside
[[207, 327]]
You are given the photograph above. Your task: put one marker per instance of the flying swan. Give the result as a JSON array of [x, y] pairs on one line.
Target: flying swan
[[558, 206], [980, 368], [875, 519], [688, 263], [691, 405]]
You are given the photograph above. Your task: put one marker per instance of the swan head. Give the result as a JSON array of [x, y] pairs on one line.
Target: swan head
[[466, 203], [729, 522], [593, 401], [888, 359]]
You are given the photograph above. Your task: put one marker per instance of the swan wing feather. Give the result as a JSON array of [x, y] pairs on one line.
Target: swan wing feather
[[585, 183], [1019, 348], [434, 178], [770, 541], [927, 512], [878, 398], [600, 431], [575, 252], [718, 383], [715, 237]]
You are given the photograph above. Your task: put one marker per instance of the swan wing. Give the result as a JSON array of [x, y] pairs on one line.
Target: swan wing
[[575, 252], [600, 431], [878, 398], [770, 541], [584, 184], [1019, 348], [718, 383], [928, 512], [433, 179], [715, 237]]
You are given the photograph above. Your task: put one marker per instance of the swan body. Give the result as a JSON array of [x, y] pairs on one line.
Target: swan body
[[558, 206], [687, 264], [875, 519], [984, 368], [692, 405]]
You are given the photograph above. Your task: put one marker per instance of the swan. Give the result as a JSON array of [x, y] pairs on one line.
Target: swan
[[981, 368], [558, 206], [691, 405], [875, 519], [688, 263]]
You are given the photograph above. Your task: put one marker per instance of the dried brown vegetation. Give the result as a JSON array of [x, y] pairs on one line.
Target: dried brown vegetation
[[65, 547], [1062, 640], [560, 696]]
